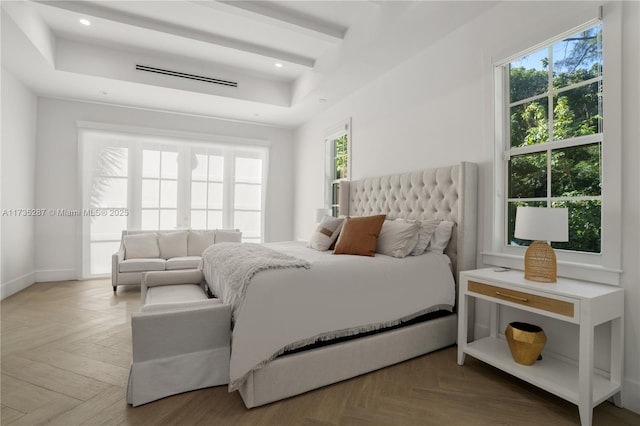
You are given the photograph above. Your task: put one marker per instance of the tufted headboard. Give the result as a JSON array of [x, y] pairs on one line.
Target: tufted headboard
[[447, 193]]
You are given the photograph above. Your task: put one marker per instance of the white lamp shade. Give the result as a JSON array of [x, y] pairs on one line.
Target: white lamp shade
[[542, 224]]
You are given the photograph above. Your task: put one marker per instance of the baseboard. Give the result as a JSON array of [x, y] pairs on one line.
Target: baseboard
[[631, 395], [56, 275], [16, 285]]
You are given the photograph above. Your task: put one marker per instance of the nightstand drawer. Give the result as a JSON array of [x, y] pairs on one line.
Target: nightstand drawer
[[559, 307]]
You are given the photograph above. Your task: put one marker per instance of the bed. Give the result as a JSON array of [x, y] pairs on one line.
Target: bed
[[350, 326]]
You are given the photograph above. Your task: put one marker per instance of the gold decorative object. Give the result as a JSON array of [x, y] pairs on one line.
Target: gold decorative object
[[526, 342], [540, 263]]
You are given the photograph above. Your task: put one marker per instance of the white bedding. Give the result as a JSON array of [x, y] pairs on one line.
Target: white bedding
[[339, 295]]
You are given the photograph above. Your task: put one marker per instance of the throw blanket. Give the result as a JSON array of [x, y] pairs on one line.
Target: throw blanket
[[237, 263]]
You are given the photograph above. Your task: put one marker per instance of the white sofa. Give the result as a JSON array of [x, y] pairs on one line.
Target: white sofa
[[180, 338], [164, 250]]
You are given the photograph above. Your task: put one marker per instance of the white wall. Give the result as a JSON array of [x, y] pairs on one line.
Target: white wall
[[18, 185], [437, 109], [57, 238]]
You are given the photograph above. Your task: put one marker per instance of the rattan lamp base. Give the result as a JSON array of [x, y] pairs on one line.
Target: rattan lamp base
[[540, 263]]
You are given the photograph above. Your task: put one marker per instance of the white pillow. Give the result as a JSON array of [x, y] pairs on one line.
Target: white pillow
[[398, 237], [427, 228], [326, 233], [228, 236], [173, 244], [440, 238], [141, 246], [199, 240]]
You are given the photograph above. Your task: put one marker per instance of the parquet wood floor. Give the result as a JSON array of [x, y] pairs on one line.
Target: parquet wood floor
[[66, 349]]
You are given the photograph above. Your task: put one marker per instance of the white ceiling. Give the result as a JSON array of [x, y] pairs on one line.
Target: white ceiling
[[328, 49]]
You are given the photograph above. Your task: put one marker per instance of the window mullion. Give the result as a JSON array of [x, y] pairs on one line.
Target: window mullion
[[550, 121], [549, 195], [228, 190], [134, 187], [183, 185], [550, 93], [565, 143], [206, 195]]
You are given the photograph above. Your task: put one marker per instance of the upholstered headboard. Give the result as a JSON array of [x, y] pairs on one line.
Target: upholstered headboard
[[447, 193]]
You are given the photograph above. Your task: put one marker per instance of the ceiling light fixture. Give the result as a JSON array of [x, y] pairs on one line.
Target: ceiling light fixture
[[279, 65], [85, 22]]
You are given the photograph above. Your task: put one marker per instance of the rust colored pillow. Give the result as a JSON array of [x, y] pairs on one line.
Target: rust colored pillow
[[359, 235]]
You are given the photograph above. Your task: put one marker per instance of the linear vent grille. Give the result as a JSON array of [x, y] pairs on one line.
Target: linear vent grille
[[187, 76]]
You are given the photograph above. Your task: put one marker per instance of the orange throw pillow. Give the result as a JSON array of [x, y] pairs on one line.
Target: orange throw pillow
[[359, 235]]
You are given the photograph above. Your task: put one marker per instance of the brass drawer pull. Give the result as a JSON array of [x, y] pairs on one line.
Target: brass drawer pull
[[519, 299]]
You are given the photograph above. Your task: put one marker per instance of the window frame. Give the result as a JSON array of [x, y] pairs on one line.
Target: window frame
[[331, 196], [602, 267], [231, 177]]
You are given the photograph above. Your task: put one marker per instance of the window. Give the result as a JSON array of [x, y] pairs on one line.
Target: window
[[207, 189], [555, 135], [140, 182], [159, 190], [338, 164], [558, 144], [248, 200], [107, 190]]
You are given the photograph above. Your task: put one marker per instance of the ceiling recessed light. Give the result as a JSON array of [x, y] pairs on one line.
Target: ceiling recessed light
[[85, 21], [279, 65]]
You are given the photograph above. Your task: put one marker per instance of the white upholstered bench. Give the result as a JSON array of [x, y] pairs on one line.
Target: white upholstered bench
[[180, 338]]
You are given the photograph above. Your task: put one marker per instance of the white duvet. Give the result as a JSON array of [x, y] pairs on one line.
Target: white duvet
[[338, 295]]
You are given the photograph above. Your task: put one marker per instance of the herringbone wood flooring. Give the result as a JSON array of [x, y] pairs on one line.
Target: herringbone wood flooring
[[66, 349]]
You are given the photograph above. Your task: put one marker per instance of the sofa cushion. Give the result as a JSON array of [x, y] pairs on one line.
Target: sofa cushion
[[199, 241], [142, 265], [183, 262], [176, 293], [155, 278], [228, 236], [141, 246], [173, 244]]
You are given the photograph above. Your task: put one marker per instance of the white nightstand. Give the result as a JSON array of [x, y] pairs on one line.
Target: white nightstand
[[578, 302]]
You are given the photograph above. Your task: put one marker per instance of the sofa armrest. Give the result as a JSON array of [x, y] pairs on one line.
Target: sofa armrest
[[116, 258], [164, 334]]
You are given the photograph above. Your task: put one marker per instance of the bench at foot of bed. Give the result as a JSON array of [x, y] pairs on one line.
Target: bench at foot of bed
[[180, 338]]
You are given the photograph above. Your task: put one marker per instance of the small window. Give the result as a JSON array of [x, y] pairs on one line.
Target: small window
[[338, 164]]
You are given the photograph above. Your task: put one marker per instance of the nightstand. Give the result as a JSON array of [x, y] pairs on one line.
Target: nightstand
[[578, 302]]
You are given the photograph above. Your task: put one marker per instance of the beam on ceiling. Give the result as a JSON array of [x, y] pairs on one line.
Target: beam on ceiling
[[178, 30], [274, 14]]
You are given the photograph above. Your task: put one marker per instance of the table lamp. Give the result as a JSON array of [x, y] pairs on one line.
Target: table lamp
[[541, 225]]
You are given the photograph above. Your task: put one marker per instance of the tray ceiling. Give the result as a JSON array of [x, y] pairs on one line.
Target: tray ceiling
[[284, 55]]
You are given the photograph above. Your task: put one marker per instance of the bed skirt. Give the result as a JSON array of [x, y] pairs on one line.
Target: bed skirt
[[301, 372]]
